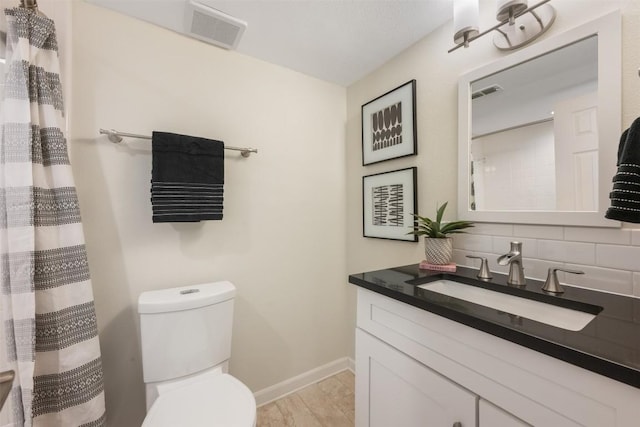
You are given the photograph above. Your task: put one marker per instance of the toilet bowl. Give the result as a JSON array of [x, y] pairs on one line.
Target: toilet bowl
[[186, 345], [213, 399]]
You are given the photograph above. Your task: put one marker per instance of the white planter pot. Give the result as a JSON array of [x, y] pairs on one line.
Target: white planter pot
[[438, 251]]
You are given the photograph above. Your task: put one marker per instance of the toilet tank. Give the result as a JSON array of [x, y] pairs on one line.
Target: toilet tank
[[185, 330]]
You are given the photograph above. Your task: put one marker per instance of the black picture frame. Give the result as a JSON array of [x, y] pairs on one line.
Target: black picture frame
[[389, 129], [388, 201]]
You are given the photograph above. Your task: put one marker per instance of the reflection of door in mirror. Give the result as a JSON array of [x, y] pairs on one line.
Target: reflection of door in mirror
[[576, 136], [534, 133]]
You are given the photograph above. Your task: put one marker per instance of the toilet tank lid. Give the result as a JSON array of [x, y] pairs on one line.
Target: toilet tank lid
[[185, 297]]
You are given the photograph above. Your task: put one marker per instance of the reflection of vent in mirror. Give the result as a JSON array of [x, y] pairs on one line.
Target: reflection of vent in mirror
[[486, 91], [212, 26]]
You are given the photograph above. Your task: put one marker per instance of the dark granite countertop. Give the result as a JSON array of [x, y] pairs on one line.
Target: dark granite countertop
[[609, 345]]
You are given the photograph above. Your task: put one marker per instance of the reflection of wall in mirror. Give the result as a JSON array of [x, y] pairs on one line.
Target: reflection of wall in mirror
[[515, 169], [576, 135]]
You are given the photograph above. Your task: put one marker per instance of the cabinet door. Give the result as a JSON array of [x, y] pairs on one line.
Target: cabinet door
[[392, 389], [492, 416]]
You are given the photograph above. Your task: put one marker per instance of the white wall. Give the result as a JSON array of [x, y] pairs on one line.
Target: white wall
[[436, 97], [609, 256], [282, 240]]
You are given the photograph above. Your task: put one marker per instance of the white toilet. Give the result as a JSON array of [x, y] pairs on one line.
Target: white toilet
[[186, 345]]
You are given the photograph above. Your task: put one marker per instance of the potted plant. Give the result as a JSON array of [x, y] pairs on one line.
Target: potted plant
[[438, 247]]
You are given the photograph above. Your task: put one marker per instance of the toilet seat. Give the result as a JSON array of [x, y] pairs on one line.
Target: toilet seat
[[218, 401]]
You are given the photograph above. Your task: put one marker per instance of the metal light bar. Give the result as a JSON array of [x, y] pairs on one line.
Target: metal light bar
[[500, 24]]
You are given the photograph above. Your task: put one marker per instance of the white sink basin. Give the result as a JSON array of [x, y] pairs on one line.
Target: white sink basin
[[560, 317]]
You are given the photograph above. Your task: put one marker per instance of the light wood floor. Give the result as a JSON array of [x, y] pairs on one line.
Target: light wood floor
[[328, 403]]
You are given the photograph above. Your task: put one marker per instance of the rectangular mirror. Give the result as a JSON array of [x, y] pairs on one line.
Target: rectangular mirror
[[539, 130]]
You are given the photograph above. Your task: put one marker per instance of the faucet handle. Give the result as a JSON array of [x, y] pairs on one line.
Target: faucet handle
[[552, 285], [484, 273]]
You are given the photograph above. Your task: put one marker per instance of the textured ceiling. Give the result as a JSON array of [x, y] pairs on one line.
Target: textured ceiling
[[339, 41]]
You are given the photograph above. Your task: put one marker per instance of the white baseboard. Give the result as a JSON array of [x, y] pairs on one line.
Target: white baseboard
[[298, 382]]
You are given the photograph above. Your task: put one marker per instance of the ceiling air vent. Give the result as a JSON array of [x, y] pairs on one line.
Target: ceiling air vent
[[212, 26], [486, 91]]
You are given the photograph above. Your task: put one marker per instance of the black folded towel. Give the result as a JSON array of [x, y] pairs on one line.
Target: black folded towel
[[187, 178], [625, 197]]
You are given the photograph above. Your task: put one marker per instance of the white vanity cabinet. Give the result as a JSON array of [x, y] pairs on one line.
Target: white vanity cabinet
[[403, 392], [415, 368]]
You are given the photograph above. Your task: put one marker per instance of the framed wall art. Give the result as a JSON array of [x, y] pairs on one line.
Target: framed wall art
[[389, 125], [388, 200]]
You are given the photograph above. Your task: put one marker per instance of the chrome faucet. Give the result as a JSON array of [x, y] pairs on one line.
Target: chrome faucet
[[514, 260]]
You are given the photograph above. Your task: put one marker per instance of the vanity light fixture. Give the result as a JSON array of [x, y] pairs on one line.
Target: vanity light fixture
[[519, 24]]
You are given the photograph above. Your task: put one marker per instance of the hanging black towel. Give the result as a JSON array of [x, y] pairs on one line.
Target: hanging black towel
[[187, 178], [625, 197]]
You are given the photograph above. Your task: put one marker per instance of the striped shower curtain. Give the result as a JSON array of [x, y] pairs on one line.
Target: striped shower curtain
[[48, 318]]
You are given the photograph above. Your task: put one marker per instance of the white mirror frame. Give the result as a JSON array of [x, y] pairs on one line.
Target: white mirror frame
[[608, 29]]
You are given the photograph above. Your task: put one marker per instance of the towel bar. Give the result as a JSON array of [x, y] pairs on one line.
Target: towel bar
[[116, 137]]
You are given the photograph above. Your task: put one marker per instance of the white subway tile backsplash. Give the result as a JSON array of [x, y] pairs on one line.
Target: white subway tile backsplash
[[604, 279], [473, 242], [496, 268], [538, 231], [615, 236], [621, 257], [609, 257], [492, 229], [559, 251], [459, 258], [501, 245]]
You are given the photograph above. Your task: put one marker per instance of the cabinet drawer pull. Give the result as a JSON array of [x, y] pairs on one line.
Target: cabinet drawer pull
[[457, 424]]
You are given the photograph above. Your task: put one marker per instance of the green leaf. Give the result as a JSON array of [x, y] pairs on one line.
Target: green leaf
[[455, 226], [435, 228], [424, 226], [440, 212]]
